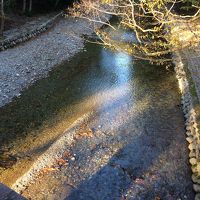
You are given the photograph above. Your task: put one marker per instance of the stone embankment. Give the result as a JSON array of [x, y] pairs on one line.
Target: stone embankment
[[187, 67], [12, 40], [189, 104]]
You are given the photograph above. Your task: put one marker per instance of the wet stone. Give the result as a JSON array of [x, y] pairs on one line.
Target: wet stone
[[196, 187], [197, 196], [195, 179]]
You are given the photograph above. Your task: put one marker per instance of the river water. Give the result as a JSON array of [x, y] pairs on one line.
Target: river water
[[138, 149]]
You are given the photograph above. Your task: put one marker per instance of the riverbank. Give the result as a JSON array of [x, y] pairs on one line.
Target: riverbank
[[26, 28], [187, 67], [22, 65]]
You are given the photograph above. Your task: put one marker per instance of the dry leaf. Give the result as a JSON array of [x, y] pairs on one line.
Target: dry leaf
[[67, 154], [84, 131], [62, 162], [48, 169]]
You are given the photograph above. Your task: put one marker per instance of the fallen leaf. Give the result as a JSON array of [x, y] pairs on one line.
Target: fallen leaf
[[84, 131], [62, 162], [48, 169], [67, 154]]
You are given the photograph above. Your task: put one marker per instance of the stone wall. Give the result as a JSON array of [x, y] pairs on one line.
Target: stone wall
[[11, 42], [190, 105]]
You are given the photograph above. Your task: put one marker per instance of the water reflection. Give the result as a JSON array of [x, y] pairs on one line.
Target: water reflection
[[123, 65], [119, 64]]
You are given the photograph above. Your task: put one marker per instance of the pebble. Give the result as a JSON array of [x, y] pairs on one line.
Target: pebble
[[195, 179], [191, 147], [194, 169], [196, 187], [188, 133], [73, 158], [188, 128], [189, 139], [192, 154], [198, 168], [193, 161], [197, 196]]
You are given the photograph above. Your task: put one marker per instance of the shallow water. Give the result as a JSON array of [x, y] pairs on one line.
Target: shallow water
[[127, 96]]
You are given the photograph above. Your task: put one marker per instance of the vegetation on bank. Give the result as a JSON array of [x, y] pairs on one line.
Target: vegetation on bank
[[149, 20]]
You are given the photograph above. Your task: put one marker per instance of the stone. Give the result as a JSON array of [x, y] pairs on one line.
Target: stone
[[191, 147], [196, 187], [198, 168], [193, 131], [189, 139], [197, 196], [194, 169], [73, 158], [192, 154], [195, 125], [186, 115], [193, 161], [188, 128], [195, 179]]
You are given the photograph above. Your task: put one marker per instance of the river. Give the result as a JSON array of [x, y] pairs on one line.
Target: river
[[138, 148]]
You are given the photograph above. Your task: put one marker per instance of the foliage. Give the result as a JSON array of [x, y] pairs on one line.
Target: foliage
[[150, 21]]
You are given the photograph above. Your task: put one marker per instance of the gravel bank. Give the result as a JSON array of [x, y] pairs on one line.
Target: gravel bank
[[24, 64]]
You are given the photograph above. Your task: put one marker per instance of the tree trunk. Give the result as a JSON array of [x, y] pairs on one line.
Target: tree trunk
[[30, 6], [56, 4], [2, 18], [24, 6]]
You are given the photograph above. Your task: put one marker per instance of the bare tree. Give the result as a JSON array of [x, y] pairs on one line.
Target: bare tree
[[24, 6], [30, 6], [2, 18], [149, 20]]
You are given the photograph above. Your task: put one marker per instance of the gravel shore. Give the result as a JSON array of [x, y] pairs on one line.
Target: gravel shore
[[23, 65]]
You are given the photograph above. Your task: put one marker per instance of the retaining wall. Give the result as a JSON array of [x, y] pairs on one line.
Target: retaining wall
[[9, 43], [190, 105]]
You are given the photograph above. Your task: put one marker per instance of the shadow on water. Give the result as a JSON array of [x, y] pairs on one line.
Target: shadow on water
[[137, 172], [152, 162]]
